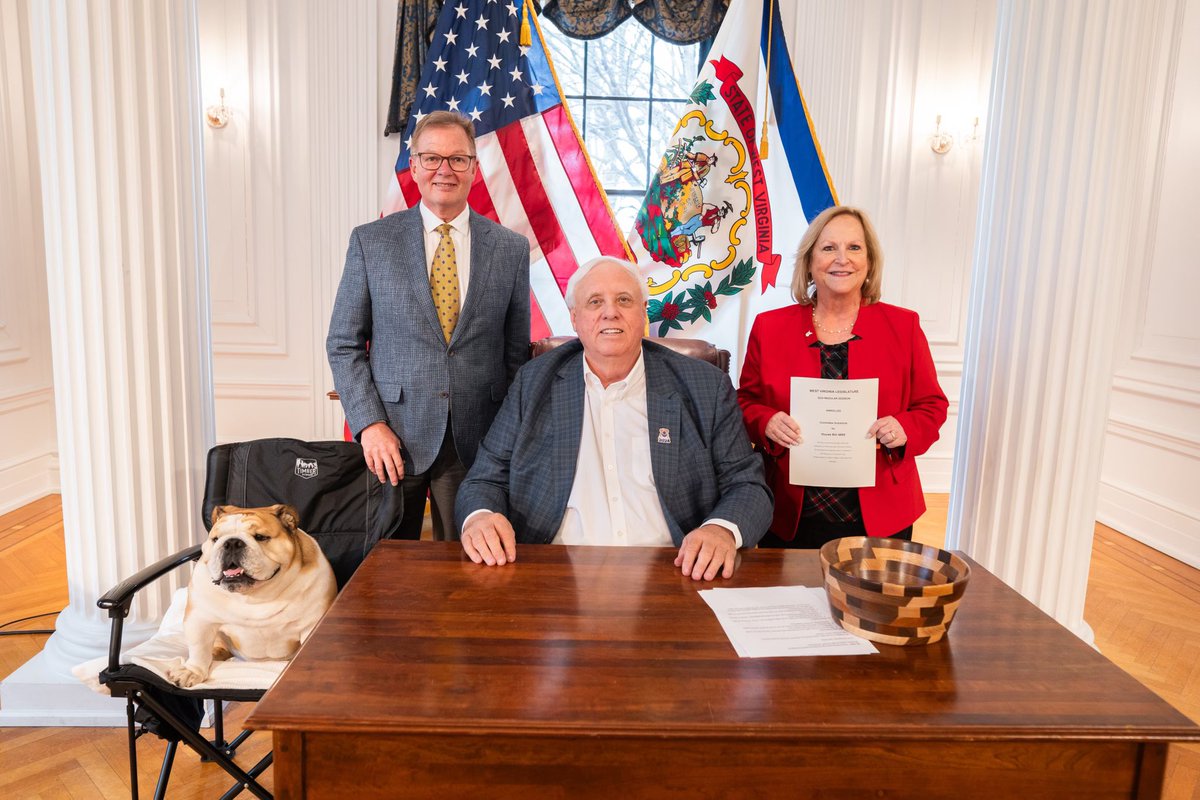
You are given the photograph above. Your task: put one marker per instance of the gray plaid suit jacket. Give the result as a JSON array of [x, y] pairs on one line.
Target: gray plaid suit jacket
[[413, 378], [526, 464]]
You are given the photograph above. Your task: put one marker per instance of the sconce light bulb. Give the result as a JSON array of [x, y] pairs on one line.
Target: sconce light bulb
[[217, 116], [940, 142]]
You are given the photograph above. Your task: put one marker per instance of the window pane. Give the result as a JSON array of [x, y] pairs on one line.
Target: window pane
[[625, 208], [674, 68], [566, 55], [625, 138], [619, 63], [665, 116], [616, 140]]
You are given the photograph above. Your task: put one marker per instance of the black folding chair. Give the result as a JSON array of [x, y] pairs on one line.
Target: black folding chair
[[341, 504]]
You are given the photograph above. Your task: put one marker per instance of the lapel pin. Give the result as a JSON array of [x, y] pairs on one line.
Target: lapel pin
[[664, 436]]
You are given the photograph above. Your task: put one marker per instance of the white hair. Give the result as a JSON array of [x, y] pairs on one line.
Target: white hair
[[587, 267]]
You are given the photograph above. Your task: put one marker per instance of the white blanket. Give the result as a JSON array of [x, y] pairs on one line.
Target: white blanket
[[167, 648]]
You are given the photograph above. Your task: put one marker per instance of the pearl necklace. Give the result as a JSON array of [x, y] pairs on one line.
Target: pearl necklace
[[835, 331]]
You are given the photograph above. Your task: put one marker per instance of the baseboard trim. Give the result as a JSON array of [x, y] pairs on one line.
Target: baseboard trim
[[936, 473], [1153, 523], [26, 480]]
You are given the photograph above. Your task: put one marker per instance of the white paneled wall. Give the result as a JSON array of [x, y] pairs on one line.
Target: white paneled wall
[[28, 461], [1152, 451], [303, 161], [286, 180]]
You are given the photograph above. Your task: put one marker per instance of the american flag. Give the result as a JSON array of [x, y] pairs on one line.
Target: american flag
[[534, 175]]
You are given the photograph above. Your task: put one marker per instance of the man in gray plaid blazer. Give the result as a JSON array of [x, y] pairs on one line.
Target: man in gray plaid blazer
[[441, 294], [616, 440]]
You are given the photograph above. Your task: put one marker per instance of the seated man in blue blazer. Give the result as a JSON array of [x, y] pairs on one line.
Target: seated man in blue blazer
[[614, 440]]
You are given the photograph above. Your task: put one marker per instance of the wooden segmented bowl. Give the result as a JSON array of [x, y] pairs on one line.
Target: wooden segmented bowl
[[892, 591]]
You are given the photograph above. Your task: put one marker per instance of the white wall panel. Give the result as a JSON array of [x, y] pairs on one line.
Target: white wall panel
[[1152, 447], [244, 162], [28, 466], [286, 180]]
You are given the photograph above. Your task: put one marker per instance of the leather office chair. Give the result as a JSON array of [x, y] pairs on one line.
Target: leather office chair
[[696, 348], [341, 504]]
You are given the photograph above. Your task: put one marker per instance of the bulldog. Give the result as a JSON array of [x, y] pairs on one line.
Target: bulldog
[[258, 589]]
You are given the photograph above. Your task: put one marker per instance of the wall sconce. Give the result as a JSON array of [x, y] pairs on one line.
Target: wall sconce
[[218, 116], [941, 142], [973, 136]]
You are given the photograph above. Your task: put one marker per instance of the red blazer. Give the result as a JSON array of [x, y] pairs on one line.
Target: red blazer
[[891, 348]]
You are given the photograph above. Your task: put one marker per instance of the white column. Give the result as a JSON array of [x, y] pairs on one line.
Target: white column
[[118, 110], [1069, 151]]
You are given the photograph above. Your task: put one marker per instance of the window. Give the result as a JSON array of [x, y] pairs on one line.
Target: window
[[626, 90]]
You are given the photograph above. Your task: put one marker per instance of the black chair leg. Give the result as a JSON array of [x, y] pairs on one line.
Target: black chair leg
[[218, 723], [202, 746], [164, 774], [132, 729], [254, 771], [218, 726], [231, 747]]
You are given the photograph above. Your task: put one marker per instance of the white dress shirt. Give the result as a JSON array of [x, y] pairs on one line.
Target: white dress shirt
[[614, 499], [460, 234]]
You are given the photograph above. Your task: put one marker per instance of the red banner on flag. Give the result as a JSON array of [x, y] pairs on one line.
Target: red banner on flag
[[728, 73]]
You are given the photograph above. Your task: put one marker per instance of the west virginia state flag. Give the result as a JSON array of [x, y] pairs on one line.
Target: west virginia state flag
[[718, 231]]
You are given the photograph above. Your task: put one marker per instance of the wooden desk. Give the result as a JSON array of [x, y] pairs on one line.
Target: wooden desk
[[599, 672]]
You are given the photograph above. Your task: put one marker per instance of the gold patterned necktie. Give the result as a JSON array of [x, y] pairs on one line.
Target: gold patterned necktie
[[443, 282]]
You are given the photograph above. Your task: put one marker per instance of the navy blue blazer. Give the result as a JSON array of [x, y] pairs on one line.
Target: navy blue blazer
[[525, 466]]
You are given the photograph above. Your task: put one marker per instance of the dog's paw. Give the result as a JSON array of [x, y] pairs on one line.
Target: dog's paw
[[186, 676]]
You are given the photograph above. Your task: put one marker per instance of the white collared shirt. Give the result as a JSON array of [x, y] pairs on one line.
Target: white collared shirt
[[460, 234], [614, 499]]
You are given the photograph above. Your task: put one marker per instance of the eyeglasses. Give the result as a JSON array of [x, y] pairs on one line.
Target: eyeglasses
[[432, 161]]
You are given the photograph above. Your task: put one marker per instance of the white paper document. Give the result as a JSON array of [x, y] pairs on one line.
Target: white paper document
[[834, 417], [767, 621]]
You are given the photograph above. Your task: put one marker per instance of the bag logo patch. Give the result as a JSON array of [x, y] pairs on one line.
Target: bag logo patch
[[306, 468]]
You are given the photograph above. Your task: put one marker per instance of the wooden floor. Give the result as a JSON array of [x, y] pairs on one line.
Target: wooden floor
[[1143, 607]]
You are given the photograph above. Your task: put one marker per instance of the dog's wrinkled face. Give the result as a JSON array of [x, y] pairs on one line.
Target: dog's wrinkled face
[[249, 546]]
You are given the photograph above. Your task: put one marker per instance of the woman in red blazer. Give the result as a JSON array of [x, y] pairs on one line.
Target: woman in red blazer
[[839, 329]]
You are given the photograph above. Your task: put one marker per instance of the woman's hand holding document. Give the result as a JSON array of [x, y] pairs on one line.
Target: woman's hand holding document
[[835, 417]]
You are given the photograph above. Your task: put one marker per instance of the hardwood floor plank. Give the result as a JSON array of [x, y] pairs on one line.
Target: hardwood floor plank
[[47, 524], [102, 778], [1161, 570], [931, 527], [1182, 780], [50, 503]]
